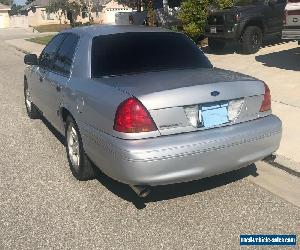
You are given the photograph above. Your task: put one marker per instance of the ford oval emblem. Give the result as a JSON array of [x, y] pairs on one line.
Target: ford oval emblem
[[215, 93]]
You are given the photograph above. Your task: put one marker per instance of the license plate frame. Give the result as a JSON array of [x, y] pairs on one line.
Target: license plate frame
[[214, 114], [213, 30]]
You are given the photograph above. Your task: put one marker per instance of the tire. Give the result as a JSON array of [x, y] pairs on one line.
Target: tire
[[252, 40], [81, 166], [32, 110], [216, 45]]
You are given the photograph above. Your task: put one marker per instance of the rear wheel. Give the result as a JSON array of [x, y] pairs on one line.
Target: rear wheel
[[31, 109], [80, 165], [252, 40], [216, 45]]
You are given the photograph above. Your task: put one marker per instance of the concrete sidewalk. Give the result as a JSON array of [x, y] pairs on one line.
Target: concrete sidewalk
[[26, 46], [284, 84]]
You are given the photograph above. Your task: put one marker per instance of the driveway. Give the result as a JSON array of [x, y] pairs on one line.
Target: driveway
[[43, 206], [278, 64]]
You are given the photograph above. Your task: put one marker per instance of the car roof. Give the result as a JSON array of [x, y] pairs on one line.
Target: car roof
[[98, 30]]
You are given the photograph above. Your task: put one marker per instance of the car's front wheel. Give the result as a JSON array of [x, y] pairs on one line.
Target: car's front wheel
[[82, 168], [32, 110]]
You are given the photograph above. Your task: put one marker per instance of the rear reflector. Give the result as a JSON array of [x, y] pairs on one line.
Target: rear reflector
[[132, 117], [266, 104]]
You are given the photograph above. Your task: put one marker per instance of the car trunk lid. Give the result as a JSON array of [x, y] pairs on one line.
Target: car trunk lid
[[175, 99]]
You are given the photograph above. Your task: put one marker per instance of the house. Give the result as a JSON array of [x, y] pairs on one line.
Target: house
[[4, 16], [37, 15], [109, 11], [104, 13]]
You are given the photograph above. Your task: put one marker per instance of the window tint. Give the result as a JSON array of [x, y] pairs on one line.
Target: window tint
[[47, 57], [65, 55], [127, 53]]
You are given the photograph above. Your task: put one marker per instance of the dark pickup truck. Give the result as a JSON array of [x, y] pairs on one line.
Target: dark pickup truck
[[247, 22]]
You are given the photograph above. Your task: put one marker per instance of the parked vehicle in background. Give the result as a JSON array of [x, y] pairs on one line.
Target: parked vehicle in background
[[247, 22], [159, 116], [291, 29]]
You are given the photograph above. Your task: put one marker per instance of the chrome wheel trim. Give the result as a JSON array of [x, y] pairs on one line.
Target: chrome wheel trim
[[73, 146], [28, 100]]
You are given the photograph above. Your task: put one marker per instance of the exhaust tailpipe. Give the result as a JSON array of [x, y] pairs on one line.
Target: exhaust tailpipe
[[141, 191]]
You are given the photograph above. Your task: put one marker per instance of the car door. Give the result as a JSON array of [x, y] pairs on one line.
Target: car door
[[41, 72], [274, 13], [59, 76]]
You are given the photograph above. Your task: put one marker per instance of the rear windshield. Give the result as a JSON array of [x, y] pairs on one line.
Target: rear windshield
[[129, 53]]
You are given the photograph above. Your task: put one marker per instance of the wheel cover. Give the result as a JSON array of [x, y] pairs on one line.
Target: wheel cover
[[73, 146], [28, 100]]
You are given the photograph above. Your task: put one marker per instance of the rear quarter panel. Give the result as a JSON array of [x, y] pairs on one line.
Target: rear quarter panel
[[93, 106]]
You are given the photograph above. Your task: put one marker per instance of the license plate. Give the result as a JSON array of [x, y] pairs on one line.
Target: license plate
[[214, 114], [213, 30]]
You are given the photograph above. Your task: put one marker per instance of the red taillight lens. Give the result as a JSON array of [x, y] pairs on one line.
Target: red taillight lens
[[266, 104], [238, 17], [132, 117]]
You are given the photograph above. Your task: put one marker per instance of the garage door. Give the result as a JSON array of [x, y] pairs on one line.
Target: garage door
[[111, 17], [1, 21]]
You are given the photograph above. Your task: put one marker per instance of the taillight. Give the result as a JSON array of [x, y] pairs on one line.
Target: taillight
[[238, 17], [266, 104], [133, 117]]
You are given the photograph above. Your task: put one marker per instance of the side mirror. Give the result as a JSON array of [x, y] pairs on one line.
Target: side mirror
[[31, 59]]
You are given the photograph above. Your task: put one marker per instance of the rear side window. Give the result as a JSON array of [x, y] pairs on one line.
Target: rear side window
[[48, 55], [65, 55], [128, 53]]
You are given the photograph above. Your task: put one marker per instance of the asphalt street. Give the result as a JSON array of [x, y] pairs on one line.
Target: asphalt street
[[43, 207]]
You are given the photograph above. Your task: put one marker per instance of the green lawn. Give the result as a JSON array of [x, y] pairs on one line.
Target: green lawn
[[41, 40], [52, 27]]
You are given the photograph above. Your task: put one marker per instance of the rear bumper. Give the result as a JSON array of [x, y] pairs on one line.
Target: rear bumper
[[186, 157], [291, 34]]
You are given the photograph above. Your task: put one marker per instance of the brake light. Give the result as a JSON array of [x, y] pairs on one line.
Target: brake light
[[132, 117], [238, 17], [266, 104]]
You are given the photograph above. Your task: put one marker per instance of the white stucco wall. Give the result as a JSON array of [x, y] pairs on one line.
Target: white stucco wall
[[4, 19]]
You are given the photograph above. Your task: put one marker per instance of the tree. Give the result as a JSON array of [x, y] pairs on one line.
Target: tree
[[89, 6], [58, 7], [15, 10], [194, 13], [28, 2], [69, 8]]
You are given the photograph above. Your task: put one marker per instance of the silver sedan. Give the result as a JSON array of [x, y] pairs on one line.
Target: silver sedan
[[146, 107]]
